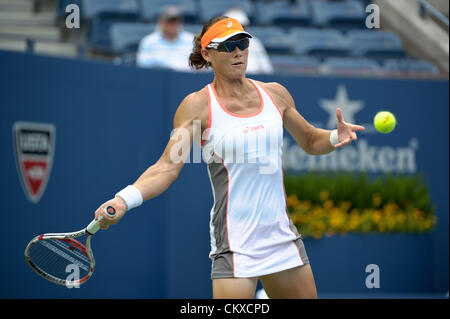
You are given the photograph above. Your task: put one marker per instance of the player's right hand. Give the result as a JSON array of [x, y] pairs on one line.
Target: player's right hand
[[119, 205]]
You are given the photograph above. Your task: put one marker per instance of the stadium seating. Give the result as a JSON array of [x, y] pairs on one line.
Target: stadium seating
[[93, 8], [275, 39], [319, 42], [294, 63], [151, 8], [301, 35], [375, 44], [125, 37], [343, 15], [212, 8], [283, 14], [102, 14], [409, 67], [193, 28], [351, 66]]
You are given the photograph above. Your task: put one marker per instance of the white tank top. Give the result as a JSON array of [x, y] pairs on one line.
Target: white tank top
[[244, 156]]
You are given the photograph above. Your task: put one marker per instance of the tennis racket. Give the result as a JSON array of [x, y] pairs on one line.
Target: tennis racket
[[54, 256]]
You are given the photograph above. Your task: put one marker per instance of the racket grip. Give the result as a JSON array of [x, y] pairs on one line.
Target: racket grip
[[94, 227]]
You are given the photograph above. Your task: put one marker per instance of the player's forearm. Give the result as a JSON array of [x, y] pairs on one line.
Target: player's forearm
[[320, 142], [156, 180]]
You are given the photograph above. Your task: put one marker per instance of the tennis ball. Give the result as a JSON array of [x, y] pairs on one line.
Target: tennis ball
[[384, 122]]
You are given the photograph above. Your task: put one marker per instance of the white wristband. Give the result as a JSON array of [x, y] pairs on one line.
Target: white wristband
[[334, 137], [131, 195]]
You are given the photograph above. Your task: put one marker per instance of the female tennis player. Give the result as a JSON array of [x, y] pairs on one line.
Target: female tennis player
[[252, 235]]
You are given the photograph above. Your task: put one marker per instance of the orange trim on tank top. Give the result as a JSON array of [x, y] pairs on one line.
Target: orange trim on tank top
[[261, 103], [270, 96], [209, 118]]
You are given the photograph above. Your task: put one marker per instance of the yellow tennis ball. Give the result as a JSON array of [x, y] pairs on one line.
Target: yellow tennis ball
[[384, 122]]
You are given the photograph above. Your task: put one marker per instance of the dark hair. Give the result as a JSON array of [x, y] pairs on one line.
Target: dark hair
[[196, 60]]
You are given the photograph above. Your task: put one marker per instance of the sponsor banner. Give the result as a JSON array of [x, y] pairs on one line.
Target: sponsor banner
[[33, 149], [360, 156]]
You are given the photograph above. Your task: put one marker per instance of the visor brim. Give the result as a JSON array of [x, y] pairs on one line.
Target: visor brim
[[218, 40]]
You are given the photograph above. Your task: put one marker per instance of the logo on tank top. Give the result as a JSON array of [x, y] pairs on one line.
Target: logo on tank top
[[249, 129]]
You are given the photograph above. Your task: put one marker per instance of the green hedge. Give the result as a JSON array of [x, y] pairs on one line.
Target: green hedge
[[326, 204]]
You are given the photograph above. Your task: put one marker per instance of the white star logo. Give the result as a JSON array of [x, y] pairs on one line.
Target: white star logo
[[348, 107]]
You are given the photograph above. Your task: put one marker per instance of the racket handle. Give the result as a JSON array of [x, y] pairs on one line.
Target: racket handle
[[94, 227]]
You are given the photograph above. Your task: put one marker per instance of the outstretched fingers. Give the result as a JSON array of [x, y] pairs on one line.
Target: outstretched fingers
[[345, 142], [357, 128], [348, 140], [339, 115]]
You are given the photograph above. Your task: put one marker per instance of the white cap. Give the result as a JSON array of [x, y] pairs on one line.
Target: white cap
[[238, 14]]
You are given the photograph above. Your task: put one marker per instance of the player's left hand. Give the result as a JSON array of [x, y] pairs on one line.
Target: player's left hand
[[346, 131]]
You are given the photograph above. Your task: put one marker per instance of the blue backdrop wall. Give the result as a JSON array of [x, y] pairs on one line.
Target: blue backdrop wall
[[112, 122]]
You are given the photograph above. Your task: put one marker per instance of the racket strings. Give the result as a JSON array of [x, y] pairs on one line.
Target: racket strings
[[66, 247], [53, 256]]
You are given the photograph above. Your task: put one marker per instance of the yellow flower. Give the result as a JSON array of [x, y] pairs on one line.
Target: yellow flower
[[328, 205], [417, 214], [317, 235], [345, 205], [336, 219], [390, 223], [300, 219], [294, 218], [353, 225], [321, 226], [401, 218], [324, 195], [316, 212], [292, 200], [305, 204], [376, 199], [376, 216], [354, 221], [390, 208]]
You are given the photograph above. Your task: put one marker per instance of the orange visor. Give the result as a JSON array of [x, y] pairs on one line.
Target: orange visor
[[222, 30]]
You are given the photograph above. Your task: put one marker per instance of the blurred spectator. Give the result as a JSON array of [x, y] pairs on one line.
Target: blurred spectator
[[258, 59], [169, 45]]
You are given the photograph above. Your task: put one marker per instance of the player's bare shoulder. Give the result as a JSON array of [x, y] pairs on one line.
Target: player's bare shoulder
[[194, 107], [279, 93]]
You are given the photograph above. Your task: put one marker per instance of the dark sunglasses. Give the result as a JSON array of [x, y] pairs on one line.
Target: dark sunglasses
[[229, 46]]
